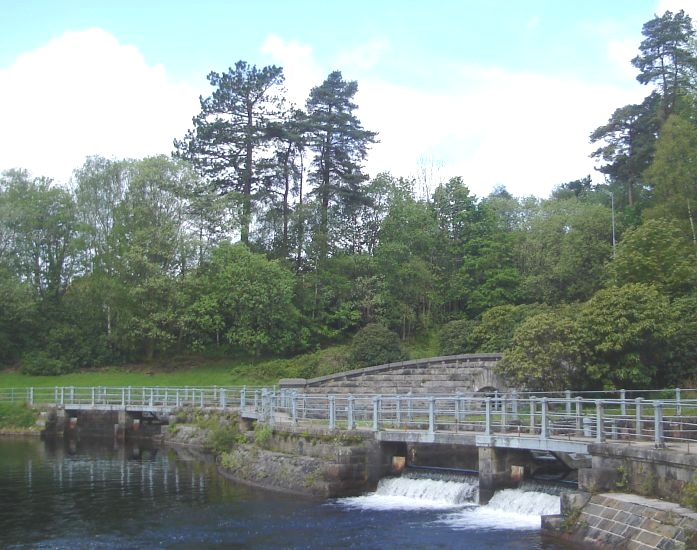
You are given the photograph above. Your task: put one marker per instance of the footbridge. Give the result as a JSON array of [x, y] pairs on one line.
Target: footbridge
[[558, 422], [502, 428]]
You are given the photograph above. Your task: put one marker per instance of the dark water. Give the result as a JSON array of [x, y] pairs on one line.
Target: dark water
[[102, 496]]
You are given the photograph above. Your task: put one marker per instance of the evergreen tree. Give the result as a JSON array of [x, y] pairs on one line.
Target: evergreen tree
[[340, 145]]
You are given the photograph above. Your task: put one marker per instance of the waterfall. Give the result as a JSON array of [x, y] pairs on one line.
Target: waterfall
[[529, 503], [433, 490], [457, 496]]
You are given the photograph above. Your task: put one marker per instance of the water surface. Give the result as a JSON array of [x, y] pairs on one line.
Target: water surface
[[101, 495]]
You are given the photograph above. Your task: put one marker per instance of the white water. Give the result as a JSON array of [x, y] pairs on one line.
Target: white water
[[508, 509]]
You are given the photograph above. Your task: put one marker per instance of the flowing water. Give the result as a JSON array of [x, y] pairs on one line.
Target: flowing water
[[98, 496]]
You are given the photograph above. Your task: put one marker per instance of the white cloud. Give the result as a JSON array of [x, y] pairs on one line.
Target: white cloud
[[690, 7], [621, 53], [300, 69], [86, 94], [526, 131], [364, 56]]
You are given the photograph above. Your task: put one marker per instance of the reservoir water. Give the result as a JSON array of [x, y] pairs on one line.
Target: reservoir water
[[98, 495]]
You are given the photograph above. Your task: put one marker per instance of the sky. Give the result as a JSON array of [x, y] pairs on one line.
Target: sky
[[498, 92]]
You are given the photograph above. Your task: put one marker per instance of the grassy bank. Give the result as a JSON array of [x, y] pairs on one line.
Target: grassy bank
[[202, 371], [15, 417]]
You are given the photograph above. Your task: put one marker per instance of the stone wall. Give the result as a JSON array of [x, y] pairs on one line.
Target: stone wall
[[624, 521], [639, 469], [321, 465], [439, 375]]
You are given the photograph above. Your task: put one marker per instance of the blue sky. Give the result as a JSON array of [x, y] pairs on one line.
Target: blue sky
[[500, 92]]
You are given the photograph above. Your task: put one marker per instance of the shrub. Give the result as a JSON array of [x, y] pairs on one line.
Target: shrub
[[376, 345], [455, 337], [41, 364]]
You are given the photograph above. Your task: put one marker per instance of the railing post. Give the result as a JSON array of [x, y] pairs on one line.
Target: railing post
[[431, 415], [496, 400], [62, 395], [93, 396], [72, 394], [487, 419], [678, 402], [129, 394], [579, 409], [410, 407], [332, 412], [458, 398], [623, 402], [599, 421], [398, 412], [123, 397], [294, 408], [55, 394], [504, 413], [543, 418], [31, 396], [223, 397], [532, 414], [658, 424], [568, 402], [637, 413], [177, 399], [376, 413], [152, 397], [243, 393], [514, 408], [349, 413]]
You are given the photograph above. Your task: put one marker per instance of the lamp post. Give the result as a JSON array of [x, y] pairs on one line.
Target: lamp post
[[612, 207]]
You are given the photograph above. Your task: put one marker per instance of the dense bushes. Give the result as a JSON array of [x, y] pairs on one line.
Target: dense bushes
[[376, 345]]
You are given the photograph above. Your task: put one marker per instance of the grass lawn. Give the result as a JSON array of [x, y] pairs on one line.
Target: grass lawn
[[215, 373], [200, 371]]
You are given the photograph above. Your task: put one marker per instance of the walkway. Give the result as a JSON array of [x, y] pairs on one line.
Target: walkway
[[564, 422]]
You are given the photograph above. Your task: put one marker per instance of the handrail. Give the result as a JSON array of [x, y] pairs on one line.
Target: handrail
[[568, 416]]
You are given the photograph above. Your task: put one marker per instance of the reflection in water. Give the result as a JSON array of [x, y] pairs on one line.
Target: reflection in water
[[97, 495]]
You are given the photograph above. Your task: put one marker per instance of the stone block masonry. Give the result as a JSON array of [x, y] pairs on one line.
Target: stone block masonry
[[467, 373], [625, 521]]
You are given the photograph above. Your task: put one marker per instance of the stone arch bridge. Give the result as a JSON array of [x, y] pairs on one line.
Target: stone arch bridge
[[468, 374]]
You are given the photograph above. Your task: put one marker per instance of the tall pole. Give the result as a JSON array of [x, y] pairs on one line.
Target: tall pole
[[612, 207]]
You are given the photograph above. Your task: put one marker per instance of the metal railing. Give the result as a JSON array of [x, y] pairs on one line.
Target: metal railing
[[122, 396], [614, 417]]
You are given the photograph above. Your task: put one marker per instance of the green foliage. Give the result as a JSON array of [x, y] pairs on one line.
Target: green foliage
[[658, 252], [13, 416], [493, 332], [689, 494], [376, 345], [455, 337], [624, 333], [249, 301], [262, 434], [544, 353], [39, 363]]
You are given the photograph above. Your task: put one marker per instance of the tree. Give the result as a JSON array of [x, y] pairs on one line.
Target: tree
[[340, 145], [624, 333], [283, 179], [658, 252], [562, 254], [230, 133], [627, 146], [667, 57], [249, 300], [40, 228], [673, 172], [544, 353]]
